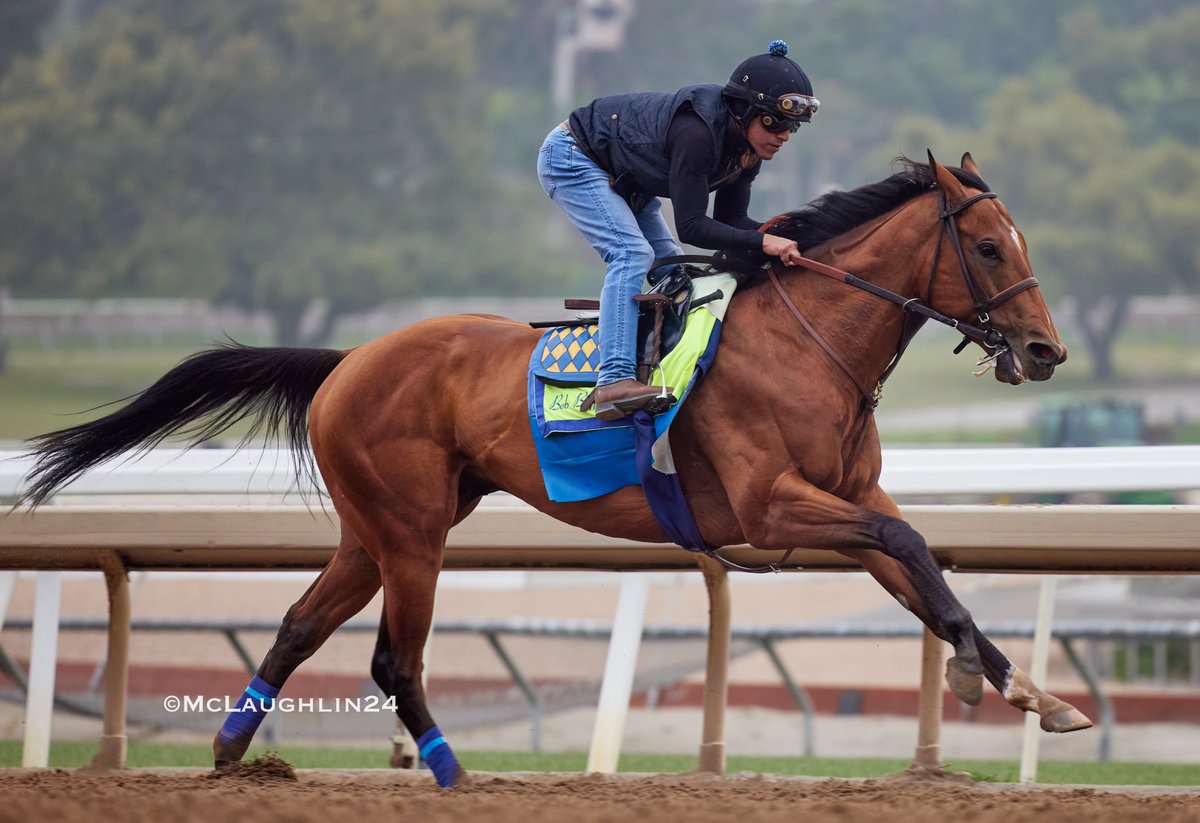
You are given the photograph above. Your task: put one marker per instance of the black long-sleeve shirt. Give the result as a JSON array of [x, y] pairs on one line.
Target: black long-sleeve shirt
[[690, 147]]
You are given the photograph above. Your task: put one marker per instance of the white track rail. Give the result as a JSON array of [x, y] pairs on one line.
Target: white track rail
[[110, 520]]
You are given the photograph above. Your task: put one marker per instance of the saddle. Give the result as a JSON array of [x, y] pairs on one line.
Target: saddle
[[662, 317]]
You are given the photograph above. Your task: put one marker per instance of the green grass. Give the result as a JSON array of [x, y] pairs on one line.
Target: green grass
[[157, 755], [930, 374], [47, 390]]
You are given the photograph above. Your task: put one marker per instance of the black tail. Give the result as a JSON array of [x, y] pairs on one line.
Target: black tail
[[203, 396]]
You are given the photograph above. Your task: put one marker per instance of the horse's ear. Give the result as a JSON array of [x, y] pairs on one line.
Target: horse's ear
[[946, 181], [968, 164]]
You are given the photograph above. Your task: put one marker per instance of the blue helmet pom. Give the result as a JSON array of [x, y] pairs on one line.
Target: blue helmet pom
[[778, 48]]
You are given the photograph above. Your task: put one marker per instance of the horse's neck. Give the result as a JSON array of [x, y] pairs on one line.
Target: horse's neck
[[863, 329]]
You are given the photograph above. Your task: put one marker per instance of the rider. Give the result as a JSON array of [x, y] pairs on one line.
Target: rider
[[608, 164]]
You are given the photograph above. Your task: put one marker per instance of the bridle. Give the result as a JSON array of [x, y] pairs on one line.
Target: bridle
[[918, 311]]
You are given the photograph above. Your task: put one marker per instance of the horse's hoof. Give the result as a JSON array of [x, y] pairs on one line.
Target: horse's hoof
[[965, 684], [1065, 719]]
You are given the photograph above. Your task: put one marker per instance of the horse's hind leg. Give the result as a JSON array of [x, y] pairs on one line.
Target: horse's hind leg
[[800, 514], [345, 586], [402, 508], [1020, 691], [383, 660], [1016, 687], [409, 583]]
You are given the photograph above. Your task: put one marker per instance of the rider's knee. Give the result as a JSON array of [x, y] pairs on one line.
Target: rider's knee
[[631, 261]]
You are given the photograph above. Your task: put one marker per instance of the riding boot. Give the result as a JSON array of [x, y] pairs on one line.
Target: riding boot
[[617, 400]]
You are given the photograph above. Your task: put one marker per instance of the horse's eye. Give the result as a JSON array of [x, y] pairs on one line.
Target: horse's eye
[[989, 250]]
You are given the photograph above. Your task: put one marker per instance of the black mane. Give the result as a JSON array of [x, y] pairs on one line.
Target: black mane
[[837, 212]]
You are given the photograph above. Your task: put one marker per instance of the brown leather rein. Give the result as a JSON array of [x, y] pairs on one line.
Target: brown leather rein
[[983, 333]]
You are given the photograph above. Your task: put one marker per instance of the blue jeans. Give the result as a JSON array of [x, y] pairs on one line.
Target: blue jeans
[[627, 241]]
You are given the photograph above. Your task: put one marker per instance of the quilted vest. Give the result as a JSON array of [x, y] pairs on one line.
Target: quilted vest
[[626, 135]]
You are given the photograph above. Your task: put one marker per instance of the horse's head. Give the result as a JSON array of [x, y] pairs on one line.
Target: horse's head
[[985, 278]]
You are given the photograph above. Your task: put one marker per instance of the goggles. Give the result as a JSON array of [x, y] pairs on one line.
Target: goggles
[[797, 105], [788, 111]]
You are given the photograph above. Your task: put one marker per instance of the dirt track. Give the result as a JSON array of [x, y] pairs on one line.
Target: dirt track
[[270, 791]]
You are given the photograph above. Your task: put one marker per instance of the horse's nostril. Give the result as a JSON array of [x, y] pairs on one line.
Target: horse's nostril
[[1044, 354]]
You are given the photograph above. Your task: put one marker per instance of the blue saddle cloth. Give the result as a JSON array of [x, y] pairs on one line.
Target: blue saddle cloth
[[582, 457]]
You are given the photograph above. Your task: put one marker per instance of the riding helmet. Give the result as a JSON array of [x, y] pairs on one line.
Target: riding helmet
[[771, 84]]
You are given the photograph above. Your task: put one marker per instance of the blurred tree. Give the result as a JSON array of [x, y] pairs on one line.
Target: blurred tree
[[1150, 75], [21, 22], [267, 155], [273, 154], [871, 62], [875, 63]]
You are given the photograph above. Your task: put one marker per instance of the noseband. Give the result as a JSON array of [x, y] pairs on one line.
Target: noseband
[[919, 311]]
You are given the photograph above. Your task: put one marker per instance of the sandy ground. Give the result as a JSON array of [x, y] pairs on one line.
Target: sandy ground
[[271, 791]]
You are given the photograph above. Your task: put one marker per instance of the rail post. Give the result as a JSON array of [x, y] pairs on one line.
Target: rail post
[[929, 705], [716, 680], [619, 671], [113, 740]]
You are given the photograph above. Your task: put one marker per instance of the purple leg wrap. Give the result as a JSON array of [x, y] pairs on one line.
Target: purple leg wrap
[[249, 712], [436, 752]]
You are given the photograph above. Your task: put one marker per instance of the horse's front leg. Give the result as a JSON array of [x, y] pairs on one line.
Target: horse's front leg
[[800, 514], [1015, 686]]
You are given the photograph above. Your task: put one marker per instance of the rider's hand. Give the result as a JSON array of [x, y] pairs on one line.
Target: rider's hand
[[786, 250]]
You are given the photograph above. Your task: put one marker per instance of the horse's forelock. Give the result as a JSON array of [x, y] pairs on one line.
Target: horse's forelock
[[921, 172]]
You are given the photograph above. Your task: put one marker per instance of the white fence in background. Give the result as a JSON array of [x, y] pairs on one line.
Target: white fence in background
[[905, 472], [119, 535]]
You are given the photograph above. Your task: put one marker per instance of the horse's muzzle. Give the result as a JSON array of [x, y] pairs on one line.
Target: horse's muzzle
[[1033, 361]]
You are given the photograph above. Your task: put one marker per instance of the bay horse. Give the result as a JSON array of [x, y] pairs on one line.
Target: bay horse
[[777, 447]]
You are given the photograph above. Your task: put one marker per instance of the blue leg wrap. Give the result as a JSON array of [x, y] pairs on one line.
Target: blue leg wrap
[[436, 752], [249, 712]]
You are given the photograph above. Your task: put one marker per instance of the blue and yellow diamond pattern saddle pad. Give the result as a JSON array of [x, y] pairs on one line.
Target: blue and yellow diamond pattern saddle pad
[[568, 356], [582, 457]]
